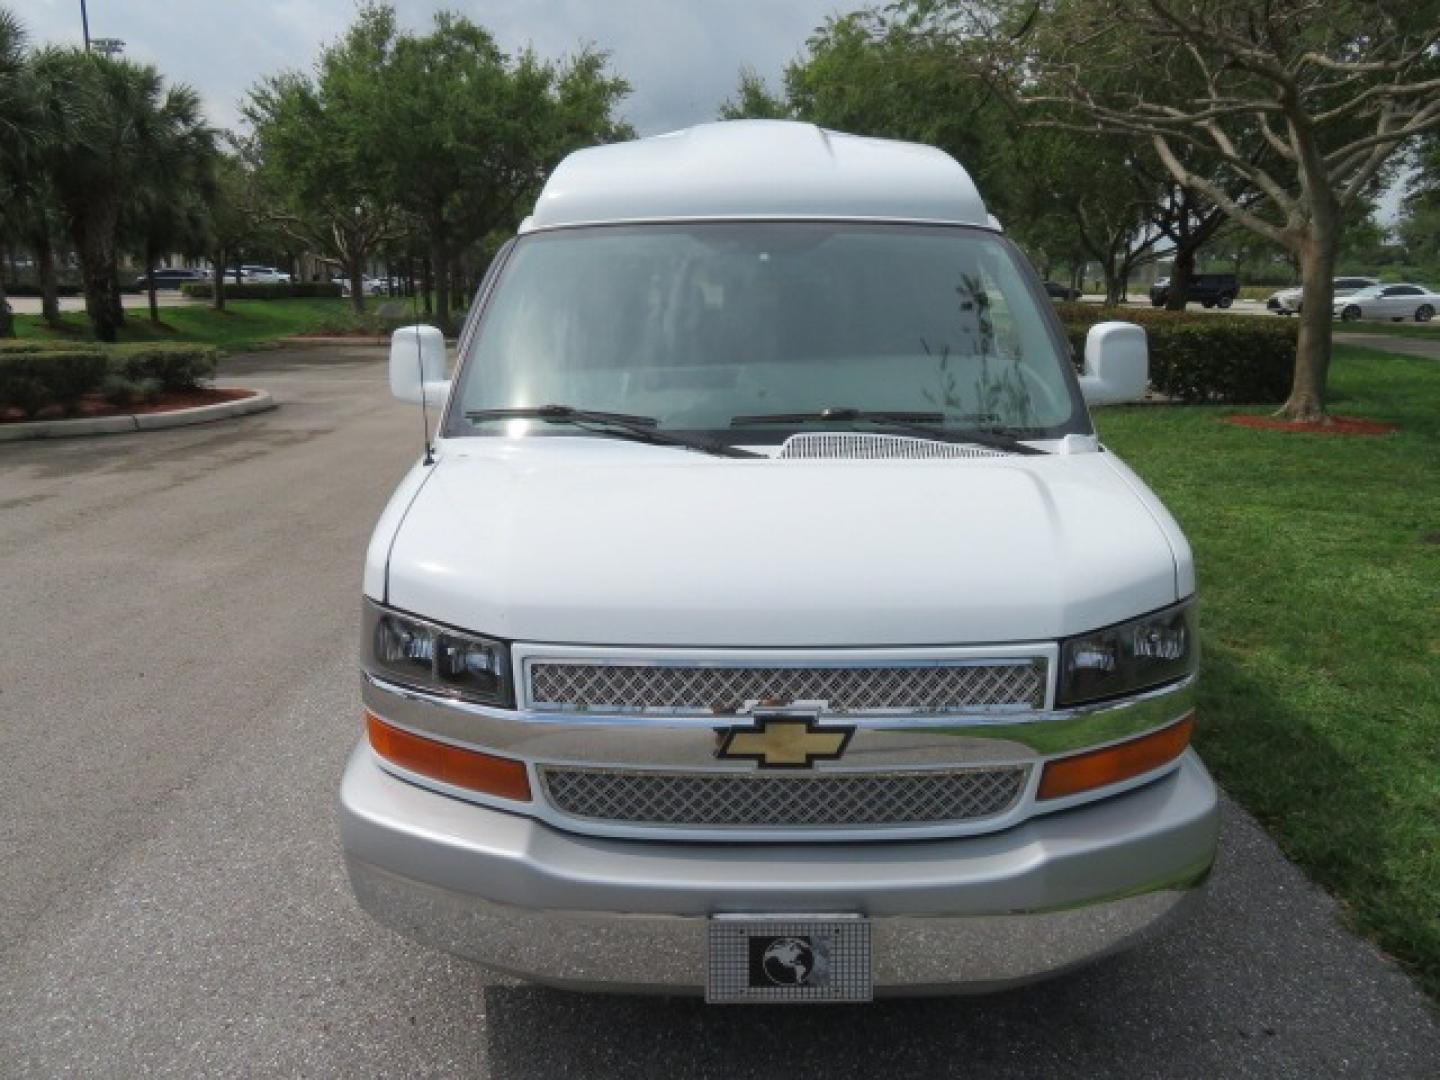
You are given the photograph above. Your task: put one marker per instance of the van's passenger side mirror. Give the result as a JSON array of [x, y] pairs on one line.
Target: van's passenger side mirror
[[1117, 363], [417, 356]]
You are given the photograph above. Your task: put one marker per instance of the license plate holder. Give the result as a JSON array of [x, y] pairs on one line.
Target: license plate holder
[[788, 959]]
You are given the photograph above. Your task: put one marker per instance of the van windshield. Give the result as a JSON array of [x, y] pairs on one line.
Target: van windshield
[[706, 327]]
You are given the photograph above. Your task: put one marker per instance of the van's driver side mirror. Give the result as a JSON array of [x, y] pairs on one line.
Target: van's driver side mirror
[[417, 358], [1117, 363]]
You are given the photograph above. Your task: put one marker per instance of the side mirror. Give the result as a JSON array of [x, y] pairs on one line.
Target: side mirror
[[417, 358], [1117, 363]]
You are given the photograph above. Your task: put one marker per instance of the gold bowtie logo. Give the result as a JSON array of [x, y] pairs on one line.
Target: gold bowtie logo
[[789, 742]]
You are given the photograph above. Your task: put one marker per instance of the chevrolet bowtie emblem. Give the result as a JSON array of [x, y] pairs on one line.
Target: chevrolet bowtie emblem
[[785, 742]]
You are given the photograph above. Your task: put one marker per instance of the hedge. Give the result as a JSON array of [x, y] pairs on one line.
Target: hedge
[[29, 381], [35, 375], [1240, 359], [16, 289], [205, 290], [176, 367], [34, 291]]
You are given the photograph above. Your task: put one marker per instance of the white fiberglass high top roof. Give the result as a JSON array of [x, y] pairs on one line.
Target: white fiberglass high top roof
[[748, 169]]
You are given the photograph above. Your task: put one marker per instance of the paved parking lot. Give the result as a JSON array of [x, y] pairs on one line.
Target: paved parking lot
[[178, 694]]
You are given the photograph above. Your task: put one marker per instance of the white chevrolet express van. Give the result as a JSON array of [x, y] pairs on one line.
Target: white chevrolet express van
[[768, 622]]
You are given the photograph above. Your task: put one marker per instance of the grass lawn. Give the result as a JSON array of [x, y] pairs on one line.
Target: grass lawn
[[1319, 564], [243, 324]]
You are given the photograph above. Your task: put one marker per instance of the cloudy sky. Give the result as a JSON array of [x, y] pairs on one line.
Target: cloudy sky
[[682, 57]]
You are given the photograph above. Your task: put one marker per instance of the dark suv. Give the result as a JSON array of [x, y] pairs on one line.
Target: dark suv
[[1211, 290]]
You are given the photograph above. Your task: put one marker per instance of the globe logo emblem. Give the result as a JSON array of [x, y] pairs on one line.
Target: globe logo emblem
[[788, 961]]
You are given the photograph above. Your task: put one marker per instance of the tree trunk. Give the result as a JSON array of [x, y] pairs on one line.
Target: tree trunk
[[117, 303], [217, 301], [1181, 271], [1114, 283], [150, 287], [95, 241], [7, 320], [355, 270], [45, 271], [1312, 350], [440, 263], [427, 286]]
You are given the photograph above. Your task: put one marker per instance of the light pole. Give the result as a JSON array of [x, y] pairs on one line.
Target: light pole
[[85, 23]]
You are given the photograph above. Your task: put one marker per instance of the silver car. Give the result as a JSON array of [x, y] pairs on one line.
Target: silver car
[[1394, 302], [1288, 301]]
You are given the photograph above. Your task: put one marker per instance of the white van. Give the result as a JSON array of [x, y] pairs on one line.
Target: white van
[[767, 621]]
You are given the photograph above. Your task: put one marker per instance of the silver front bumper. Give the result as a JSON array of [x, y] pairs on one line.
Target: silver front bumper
[[972, 913]]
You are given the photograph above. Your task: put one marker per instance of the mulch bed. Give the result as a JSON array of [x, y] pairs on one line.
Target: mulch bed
[[1335, 425], [94, 406]]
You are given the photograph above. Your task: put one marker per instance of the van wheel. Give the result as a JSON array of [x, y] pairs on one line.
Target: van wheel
[[1225, 301], [1424, 313], [1350, 314]]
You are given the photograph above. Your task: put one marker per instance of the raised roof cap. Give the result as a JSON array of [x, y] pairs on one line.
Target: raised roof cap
[[747, 169]]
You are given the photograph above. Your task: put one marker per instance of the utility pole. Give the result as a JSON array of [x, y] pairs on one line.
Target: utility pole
[[85, 23]]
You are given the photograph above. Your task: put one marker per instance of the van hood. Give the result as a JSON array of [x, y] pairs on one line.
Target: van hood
[[583, 541]]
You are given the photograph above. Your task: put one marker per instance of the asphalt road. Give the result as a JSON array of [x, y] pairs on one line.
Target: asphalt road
[[178, 694]]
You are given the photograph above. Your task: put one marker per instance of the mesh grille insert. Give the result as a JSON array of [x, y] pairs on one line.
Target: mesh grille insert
[[920, 688], [861, 446], [759, 800]]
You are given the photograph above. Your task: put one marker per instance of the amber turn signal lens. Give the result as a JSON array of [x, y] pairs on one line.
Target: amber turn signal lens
[[1097, 768], [471, 769]]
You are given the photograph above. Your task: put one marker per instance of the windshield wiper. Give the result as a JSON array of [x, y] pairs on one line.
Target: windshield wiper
[[927, 424], [611, 425]]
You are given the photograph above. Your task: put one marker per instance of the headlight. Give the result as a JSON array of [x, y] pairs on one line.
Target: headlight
[[1153, 649], [436, 658]]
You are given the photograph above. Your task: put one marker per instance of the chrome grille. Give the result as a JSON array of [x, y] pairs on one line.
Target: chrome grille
[[921, 688], [767, 800], [862, 446]]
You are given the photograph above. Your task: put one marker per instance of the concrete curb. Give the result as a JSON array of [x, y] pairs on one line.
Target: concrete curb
[[258, 401]]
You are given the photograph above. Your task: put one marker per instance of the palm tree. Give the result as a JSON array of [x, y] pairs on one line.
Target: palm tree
[[17, 123], [116, 128], [167, 210]]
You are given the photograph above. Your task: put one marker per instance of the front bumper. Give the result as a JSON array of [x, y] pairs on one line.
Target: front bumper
[[961, 914]]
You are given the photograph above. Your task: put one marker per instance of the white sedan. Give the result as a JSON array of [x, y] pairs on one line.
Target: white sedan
[[1393, 302], [372, 286]]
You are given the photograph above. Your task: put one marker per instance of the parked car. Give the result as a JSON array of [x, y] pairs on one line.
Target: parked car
[[708, 649], [1211, 290], [1287, 301], [264, 275], [1056, 291], [1393, 302], [372, 286], [171, 277]]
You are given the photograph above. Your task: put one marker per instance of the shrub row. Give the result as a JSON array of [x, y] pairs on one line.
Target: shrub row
[[39, 374], [34, 291], [205, 290], [23, 289], [1237, 359]]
